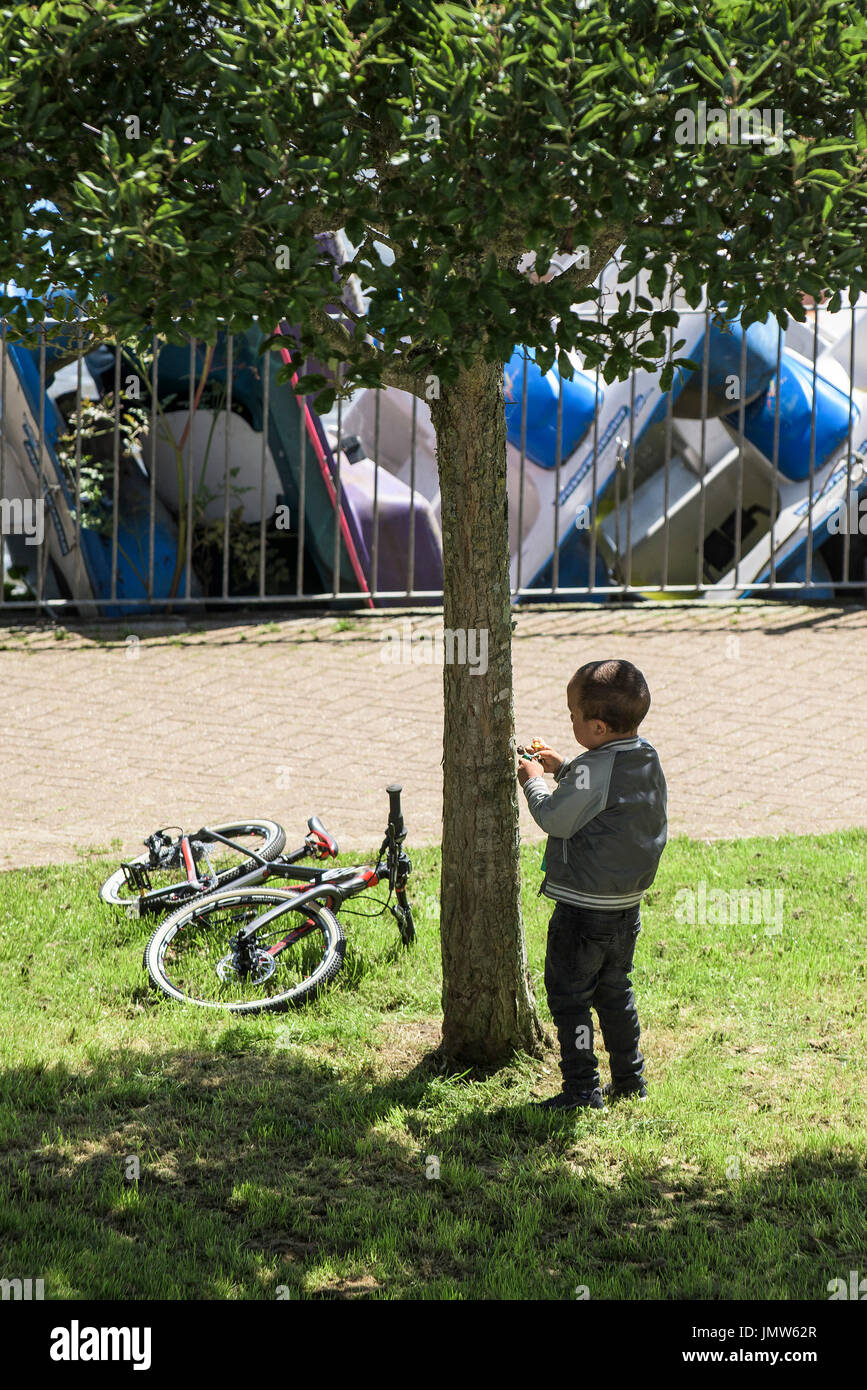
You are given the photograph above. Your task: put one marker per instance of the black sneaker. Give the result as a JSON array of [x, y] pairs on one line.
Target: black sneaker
[[572, 1100], [633, 1090]]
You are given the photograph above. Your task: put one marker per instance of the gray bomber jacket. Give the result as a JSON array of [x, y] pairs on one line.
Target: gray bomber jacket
[[606, 824]]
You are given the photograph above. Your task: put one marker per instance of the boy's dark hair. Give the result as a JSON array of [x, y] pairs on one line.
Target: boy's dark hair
[[613, 691]]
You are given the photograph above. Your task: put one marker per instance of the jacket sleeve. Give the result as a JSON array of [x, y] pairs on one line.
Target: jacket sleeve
[[562, 812]]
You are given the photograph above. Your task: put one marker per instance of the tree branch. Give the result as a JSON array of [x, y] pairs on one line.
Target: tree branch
[[600, 254], [394, 371]]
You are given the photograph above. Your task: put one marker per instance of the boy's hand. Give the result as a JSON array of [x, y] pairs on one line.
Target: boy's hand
[[527, 769], [550, 759]]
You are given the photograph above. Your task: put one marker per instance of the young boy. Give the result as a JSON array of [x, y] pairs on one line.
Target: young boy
[[606, 825]]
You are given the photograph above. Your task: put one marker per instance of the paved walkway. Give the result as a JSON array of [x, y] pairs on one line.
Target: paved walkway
[[758, 715]]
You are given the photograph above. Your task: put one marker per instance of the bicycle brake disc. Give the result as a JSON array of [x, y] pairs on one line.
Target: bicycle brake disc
[[263, 968]]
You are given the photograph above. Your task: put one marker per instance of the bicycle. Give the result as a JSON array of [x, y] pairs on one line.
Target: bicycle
[[247, 949]]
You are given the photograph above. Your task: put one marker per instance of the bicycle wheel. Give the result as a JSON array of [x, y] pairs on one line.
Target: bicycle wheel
[[266, 837], [191, 956]]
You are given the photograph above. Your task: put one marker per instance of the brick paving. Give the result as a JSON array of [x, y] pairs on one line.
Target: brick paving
[[758, 716]]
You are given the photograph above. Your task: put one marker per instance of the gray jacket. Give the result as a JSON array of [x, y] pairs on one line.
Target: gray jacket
[[606, 824]]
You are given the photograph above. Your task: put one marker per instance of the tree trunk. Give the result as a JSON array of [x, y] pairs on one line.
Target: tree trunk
[[488, 1004]]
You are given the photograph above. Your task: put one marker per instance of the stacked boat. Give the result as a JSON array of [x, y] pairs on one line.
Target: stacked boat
[[748, 469], [624, 484]]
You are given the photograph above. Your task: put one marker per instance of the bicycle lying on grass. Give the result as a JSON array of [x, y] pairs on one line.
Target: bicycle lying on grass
[[244, 948]]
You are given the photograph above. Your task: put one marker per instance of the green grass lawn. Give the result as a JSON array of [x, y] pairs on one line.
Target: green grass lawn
[[289, 1156]]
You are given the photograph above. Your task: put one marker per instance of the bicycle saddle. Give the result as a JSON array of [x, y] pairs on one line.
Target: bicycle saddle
[[321, 843]]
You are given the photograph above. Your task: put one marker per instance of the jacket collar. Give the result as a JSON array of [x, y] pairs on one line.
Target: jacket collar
[[615, 743]]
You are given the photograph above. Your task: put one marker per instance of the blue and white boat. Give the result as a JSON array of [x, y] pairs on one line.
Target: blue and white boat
[[746, 504]]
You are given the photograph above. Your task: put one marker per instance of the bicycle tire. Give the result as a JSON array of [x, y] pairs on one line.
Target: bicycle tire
[[249, 900], [274, 842]]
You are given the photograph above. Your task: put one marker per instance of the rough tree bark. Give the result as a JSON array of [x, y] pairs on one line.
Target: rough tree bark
[[488, 1004]]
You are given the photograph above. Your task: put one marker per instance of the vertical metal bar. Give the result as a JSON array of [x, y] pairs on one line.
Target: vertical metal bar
[[42, 553], [4, 416], [591, 575], [335, 578], [523, 471], [739, 497], [558, 460], [410, 568], [152, 516], [302, 487], [591, 563], [115, 445], [375, 556], [227, 447], [705, 380], [263, 522], [618, 469], [79, 425], [192, 425], [775, 459], [666, 499], [844, 575], [808, 575], [630, 479]]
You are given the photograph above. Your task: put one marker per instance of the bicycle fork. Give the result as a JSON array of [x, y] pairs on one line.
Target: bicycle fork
[[190, 863], [245, 939]]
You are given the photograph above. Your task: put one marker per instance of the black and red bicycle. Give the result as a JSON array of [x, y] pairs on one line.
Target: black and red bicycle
[[232, 944]]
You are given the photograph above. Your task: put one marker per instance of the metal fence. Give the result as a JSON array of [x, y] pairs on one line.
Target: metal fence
[[134, 483]]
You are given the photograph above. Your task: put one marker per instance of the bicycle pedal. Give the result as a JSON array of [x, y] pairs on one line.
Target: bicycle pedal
[[137, 878]]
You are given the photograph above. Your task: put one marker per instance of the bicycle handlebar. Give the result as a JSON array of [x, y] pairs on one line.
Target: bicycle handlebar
[[395, 815]]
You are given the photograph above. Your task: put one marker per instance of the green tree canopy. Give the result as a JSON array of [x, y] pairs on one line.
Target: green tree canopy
[[193, 151]]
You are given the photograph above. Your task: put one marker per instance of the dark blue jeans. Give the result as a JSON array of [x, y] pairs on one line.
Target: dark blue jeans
[[587, 962]]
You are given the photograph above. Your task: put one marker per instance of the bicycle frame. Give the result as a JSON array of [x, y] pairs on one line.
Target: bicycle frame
[[156, 896], [335, 885]]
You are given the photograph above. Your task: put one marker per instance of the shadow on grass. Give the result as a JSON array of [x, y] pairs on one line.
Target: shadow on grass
[[255, 626], [265, 1174]]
